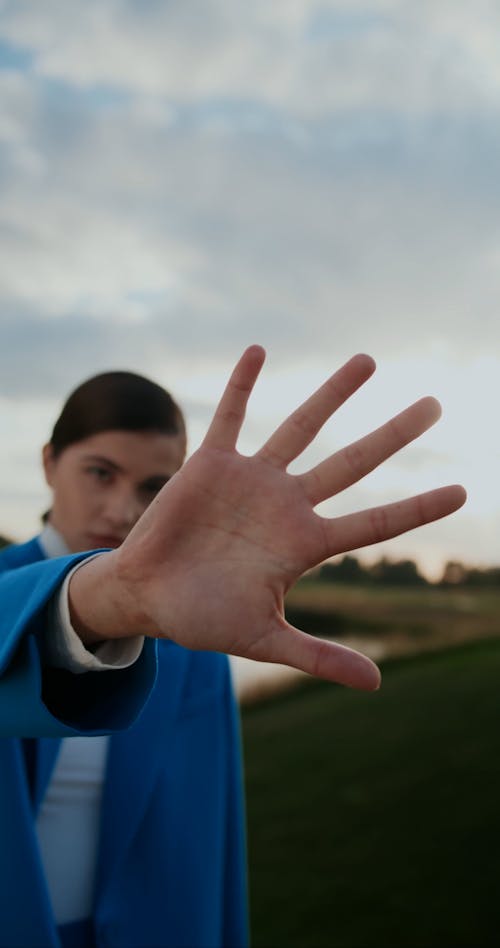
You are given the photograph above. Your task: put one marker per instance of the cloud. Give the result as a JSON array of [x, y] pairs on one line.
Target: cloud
[[313, 175], [308, 58], [209, 237]]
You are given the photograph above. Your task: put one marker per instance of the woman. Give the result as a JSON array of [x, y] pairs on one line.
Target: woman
[[156, 810], [206, 566]]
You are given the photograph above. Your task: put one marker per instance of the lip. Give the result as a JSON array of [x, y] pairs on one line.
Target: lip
[[98, 541]]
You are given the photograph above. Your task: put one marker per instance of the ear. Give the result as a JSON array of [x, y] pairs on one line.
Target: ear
[[49, 463]]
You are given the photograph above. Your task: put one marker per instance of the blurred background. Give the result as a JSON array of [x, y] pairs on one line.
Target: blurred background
[[181, 179]]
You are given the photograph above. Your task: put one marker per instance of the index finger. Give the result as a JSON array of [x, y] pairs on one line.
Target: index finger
[[230, 412]]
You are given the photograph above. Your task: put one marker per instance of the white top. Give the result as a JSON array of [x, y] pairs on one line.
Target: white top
[[67, 825]]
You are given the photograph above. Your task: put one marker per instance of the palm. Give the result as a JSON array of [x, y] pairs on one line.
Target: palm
[[258, 513], [232, 533], [238, 530]]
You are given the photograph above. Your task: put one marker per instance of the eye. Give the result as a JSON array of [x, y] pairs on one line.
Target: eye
[[100, 474], [151, 487]]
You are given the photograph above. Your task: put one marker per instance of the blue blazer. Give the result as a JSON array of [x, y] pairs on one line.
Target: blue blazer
[[171, 866]]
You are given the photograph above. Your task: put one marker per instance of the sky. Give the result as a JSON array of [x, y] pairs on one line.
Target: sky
[[182, 179]]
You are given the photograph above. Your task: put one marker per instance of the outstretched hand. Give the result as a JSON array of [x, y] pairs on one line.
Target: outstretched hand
[[210, 561]]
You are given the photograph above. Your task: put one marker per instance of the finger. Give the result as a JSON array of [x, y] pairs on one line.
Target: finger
[[230, 413], [349, 465], [390, 520], [293, 436], [319, 657]]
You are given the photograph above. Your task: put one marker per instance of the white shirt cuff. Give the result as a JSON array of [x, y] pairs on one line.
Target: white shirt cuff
[[62, 647]]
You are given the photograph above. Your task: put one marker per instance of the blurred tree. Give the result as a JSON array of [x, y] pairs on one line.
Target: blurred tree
[[401, 573], [483, 577], [456, 574], [350, 570], [347, 570]]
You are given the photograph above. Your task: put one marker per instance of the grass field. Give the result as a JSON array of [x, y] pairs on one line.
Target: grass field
[[374, 820], [426, 617]]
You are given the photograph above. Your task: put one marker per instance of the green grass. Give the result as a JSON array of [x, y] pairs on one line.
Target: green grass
[[445, 615], [375, 819]]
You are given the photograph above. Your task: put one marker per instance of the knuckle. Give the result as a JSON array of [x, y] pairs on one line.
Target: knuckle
[[354, 458], [229, 416], [321, 654], [336, 390], [303, 422], [396, 432], [270, 456], [240, 386], [379, 523]]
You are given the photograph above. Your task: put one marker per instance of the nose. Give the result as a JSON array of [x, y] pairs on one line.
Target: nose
[[123, 510]]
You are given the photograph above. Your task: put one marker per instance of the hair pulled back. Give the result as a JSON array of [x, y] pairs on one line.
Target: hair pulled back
[[114, 401]]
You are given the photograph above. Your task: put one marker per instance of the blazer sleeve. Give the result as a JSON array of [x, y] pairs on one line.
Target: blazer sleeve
[[40, 701]]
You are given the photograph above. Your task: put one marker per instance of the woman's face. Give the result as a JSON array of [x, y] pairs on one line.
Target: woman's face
[[102, 484]]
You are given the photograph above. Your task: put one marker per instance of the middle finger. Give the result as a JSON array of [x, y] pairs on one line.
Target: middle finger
[[302, 426]]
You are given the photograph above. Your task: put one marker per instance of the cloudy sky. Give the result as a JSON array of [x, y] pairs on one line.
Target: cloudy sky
[[182, 178]]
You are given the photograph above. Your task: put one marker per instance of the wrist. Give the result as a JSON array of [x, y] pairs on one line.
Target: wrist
[[100, 605]]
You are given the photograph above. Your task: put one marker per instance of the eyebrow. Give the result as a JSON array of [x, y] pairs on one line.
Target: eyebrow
[[113, 466], [99, 459]]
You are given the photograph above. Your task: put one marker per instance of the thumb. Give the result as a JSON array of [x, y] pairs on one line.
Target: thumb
[[322, 658]]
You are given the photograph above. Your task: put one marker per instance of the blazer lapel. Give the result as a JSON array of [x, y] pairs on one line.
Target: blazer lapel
[[39, 759], [47, 750], [134, 761]]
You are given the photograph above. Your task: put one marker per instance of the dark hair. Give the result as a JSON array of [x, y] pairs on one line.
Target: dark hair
[[115, 401]]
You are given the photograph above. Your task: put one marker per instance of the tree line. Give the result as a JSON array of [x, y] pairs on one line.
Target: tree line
[[404, 573]]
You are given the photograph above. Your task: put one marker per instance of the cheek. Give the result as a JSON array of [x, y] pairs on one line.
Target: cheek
[[81, 503]]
